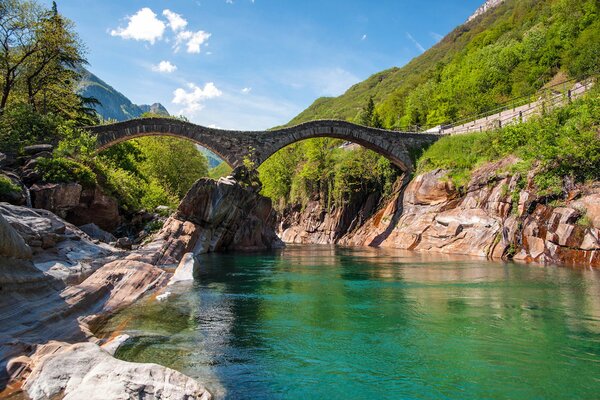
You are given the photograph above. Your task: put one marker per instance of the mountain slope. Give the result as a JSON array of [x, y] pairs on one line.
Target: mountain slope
[[113, 104], [508, 49]]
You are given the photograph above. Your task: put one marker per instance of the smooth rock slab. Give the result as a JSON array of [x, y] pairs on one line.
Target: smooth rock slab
[[186, 269], [85, 371]]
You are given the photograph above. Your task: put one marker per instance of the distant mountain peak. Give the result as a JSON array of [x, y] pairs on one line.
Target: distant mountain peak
[[114, 104], [485, 7], [155, 108]]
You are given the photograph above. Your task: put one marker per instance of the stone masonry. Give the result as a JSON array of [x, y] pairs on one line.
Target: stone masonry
[[236, 146]]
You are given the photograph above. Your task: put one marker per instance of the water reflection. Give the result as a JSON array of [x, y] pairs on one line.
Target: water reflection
[[332, 322]]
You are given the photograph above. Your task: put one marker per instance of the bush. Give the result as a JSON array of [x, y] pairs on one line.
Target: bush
[[21, 126], [76, 143], [8, 187], [133, 191], [563, 143], [64, 170]]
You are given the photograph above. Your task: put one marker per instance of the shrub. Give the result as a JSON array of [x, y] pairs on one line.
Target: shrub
[[64, 170], [20, 126], [7, 186], [562, 143]]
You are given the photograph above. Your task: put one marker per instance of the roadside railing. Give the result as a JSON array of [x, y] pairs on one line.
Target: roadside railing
[[547, 101], [514, 111]]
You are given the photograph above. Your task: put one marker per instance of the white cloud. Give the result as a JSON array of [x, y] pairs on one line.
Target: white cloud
[[176, 21], [364, 37], [417, 44], [246, 90], [192, 100], [164, 66], [192, 40], [143, 25]]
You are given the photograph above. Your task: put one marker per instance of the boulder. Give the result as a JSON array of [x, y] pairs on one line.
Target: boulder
[[95, 206], [96, 233], [124, 243], [85, 371], [37, 148], [187, 268], [56, 197], [16, 197]]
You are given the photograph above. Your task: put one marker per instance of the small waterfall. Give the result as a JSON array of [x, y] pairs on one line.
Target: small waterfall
[[28, 197]]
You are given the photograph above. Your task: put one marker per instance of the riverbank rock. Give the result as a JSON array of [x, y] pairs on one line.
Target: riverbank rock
[[77, 205], [485, 221], [85, 371], [59, 248], [186, 269], [218, 216], [313, 224]]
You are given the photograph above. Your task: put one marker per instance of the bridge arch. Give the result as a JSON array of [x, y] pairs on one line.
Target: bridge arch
[[257, 146]]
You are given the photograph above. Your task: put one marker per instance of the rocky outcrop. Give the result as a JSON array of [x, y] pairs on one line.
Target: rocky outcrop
[[85, 371], [79, 206], [58, 248], [493, 218], [35, 307], [218, 216], [485, 7], [313, 224], [213, 216]]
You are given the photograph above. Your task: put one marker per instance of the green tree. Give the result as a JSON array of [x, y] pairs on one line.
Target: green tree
[[175, 163], [39, 58]]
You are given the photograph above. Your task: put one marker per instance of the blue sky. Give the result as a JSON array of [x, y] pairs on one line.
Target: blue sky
[[252, 64]]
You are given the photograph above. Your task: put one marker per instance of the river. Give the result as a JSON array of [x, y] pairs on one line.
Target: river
[[337, 323]]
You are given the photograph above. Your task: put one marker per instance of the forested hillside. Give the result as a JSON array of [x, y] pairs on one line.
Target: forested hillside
[[510, 51]]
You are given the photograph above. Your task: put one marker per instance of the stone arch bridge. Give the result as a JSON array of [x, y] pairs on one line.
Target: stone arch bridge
[[257, 146]]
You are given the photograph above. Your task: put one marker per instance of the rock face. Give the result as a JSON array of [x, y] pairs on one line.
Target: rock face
[[35, 306], [79, 206], [60, 249], [313, 224], [485, 221], [488, 5], [218, 216], [85, 371]]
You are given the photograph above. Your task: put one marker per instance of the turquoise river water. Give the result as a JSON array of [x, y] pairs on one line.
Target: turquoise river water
[[338, 323]]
